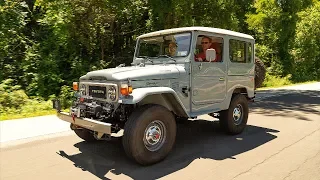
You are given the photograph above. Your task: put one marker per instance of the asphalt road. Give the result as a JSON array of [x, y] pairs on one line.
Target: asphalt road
[[282, 141]]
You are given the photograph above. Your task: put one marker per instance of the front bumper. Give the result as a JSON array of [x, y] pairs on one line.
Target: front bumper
[[86, 123]]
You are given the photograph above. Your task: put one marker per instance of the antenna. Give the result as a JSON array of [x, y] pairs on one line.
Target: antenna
[[193, 19]]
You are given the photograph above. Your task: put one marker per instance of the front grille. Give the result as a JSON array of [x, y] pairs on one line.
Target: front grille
[[98, 92]]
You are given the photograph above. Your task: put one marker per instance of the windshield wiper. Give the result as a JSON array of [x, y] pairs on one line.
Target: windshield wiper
[[164, 55], [147, 58]]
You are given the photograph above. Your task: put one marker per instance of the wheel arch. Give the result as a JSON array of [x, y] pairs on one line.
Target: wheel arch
[[163, 96], [238, 90]]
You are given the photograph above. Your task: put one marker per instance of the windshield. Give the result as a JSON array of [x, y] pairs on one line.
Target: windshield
[[170, 46]]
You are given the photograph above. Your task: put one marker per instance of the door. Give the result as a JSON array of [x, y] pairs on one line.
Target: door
[[208, 78]]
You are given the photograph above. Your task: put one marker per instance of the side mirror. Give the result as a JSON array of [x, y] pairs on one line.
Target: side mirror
[[211, 55]]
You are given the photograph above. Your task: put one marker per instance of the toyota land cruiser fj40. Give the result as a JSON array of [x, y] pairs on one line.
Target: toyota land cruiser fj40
[[176, 74]]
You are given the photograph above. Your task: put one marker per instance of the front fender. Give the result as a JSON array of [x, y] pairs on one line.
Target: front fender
[[168, 95]]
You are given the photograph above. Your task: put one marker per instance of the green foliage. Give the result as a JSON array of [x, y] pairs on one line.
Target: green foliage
[[14, 103], [266, 53], [274, 23], [45, 45], [66, 96], [11, 96], [306, 51], [31, 108], [276, 81], [13, 41]]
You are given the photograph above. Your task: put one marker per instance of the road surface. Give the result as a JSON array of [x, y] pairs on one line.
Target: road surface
[[282, 141]]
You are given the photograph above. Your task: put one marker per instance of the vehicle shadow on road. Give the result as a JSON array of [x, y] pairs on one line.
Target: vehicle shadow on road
[[198, 139], [291, 103]]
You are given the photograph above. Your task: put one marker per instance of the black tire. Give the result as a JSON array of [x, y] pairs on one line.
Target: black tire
[[85, 134], [230, 122], [181, 120], [260, 73], [134, 139]]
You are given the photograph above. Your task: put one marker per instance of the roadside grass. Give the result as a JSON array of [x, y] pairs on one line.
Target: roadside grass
[[274, 81], [32, 108], [277, 82], [26, 115], [16, 104], [287, 85]]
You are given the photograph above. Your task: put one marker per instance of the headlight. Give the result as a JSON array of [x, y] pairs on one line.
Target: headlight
[[112, 93], [83, 90]]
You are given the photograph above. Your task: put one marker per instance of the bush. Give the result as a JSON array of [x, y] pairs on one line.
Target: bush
[[11, 96], [276, 81], [30, 109], [66, 96], [14, 103], [306, 50]]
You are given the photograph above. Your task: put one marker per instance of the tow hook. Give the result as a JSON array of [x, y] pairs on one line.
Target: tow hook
[[74, 127]]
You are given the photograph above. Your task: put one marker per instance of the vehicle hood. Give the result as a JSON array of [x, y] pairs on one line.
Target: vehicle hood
[[135, 73]]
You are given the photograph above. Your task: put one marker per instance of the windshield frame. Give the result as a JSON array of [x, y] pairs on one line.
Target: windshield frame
[[167, 34]]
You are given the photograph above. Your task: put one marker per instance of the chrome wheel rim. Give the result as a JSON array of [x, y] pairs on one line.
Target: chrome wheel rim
[[154, 135], [238, 114]]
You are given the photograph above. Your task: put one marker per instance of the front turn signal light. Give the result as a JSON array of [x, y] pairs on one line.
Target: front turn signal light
[[75, 86], [125, 89], [130, 89]]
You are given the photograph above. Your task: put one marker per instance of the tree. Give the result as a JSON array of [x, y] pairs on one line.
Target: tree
[[306, 51], [274, 23], [13, 42]]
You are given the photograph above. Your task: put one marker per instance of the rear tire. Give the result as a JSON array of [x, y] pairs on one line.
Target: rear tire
[[85, 134], [149, 134], [234, 120]]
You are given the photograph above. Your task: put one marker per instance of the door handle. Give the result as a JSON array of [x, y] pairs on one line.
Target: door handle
[[221, 79], [200, 66], [185, 90]]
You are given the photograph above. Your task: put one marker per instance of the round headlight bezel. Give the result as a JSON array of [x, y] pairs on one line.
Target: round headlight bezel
[[112, 93], [83, 90]]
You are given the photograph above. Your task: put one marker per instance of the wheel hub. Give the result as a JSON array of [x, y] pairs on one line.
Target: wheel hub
[[155, 135], [237, 114]]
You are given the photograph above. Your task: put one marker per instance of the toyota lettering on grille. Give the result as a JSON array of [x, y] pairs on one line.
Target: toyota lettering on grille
[[96, 91]]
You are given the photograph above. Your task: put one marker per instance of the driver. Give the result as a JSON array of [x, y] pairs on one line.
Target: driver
[[206, 43], [172, 48]]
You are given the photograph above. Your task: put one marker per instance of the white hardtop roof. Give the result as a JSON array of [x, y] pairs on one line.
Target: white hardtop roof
[[195, 28]]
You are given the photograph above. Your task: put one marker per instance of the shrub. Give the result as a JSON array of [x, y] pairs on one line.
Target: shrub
[[66, 96], [11, 96], [276, 81], [14, 103]]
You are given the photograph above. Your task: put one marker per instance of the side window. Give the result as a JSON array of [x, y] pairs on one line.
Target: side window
[[240, 51], [208, 42]]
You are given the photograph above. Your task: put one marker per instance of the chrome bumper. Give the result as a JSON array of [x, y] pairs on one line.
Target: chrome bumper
[[86, 123]]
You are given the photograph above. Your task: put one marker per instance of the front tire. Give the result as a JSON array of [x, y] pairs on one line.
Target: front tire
[[181, 120], [234, 119], [149, 134], [85, 134]]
